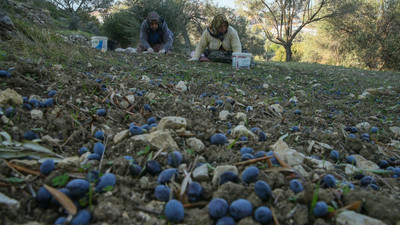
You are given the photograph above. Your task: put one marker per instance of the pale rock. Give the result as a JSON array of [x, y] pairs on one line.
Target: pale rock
[[140, 139], [33, 223], [241, 92], [181, 86], [265, 86], [293, 99], [7, 202], [130, 50], [365, 164], [350, 169], [9, 96], [144, 217], [144, 181], [221, 169], [69, 164], [363, 95], [120, 136], [277, 108], [352, 95], [318, 164], [291, 156], [52, 141], [78, 101], [316, 85], [363, 125], [223, 115], [350, 217], [14, 129], [196, 144], [288, 78], [395, 130], [37, 97], [125, 215], [279, 146], [200, 173], [6, 120], [162, 139], [150, 96], [57, 66], [301, 93], [301, 170], [269, 76], [56, 111], [130, 98], [84, 158], [241, 130], [146, 78], [124, 105], [36, 114], [241, 116], [261, 104], [172, 122]]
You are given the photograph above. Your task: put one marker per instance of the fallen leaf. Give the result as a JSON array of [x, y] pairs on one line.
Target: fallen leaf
[[63, 199]]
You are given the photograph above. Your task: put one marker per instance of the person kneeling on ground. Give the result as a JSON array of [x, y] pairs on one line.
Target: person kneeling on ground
[[221, 40], [155, 35]]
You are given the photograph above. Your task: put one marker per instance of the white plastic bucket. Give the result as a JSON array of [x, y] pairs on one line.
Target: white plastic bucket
[[241, 60], [100, 43]]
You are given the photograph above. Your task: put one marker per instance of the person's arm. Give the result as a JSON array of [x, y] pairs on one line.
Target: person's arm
[[204, 41], [167, 36], [144, 37], [235, 42]]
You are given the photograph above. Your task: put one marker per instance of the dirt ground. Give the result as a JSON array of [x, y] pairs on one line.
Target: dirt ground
[[327, 97]]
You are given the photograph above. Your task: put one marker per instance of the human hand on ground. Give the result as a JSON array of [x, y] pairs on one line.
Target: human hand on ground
[[162, 51]]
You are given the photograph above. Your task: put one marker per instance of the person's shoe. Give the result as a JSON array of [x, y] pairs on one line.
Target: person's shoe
[[204, 59]]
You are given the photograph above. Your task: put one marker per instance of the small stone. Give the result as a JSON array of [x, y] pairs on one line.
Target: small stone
[[36, 114], [181, 86], [351, 217], [196, 144], [201, 173], [120, 136], [241, 116], [223, 115], [221, 169]]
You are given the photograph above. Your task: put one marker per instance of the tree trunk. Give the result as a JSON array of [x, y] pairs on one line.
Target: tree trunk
[[187, 41], [289, 54]]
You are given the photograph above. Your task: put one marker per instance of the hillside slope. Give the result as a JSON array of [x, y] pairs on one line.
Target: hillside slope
[[296, 112]]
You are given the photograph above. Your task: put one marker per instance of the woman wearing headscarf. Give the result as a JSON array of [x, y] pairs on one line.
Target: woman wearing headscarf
[[155, 35], [218, 37]]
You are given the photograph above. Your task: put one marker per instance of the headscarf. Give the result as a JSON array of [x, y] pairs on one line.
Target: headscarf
[[154, 16], [217, 21]]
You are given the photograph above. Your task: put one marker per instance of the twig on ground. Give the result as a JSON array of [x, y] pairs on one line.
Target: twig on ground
[[102, 155], [195, 204], [255, 160], [17, 168], [274, 217]]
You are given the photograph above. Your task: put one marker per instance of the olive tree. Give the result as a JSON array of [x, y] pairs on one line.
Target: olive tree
[[82, 5], [283, 20]]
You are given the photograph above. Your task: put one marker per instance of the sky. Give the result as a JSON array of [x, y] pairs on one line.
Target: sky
[[226, 3]]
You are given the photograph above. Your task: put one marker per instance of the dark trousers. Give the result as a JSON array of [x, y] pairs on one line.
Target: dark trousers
[[155, 47]]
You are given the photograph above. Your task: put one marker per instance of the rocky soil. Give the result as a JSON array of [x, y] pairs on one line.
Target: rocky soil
[[302, 113]]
